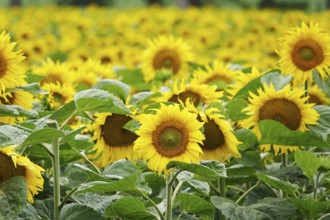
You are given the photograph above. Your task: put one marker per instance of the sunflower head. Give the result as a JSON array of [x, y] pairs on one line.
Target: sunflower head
[[304, 49], [170, 134], [13, 164], [58, 94]]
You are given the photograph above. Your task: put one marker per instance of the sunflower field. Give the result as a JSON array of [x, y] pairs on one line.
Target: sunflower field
[[164, 113]]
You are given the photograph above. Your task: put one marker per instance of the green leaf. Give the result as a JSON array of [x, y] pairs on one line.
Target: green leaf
[[115, 87], [310, 208], [216, 166], [195, 205], [133, 77], [199, 186], [308, 162], [10, 135], [44, 135], [33, 88], [129, 208], [239, 172], [252, 86], [142, 98], [75, 211], [71, 135], [249, 158], [155, 182], [278, 80], [273, 132], [125, 184], [323, 126], [234, 109], [17, 111], [277, 183], [122, 168], [99, 100], [247, 138], [201, 172], [13, 193], [64, 112]]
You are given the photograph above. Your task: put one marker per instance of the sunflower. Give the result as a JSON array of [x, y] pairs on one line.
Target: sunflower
[[166, 52], [287, 106], [219, 142], [169, 135], [113, 141], [198, 93], [58, 94], [11, 74], [13, 164], [304, 49], [317, 96], [18, 97]]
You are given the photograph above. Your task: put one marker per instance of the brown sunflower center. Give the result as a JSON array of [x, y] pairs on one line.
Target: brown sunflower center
[[8, 169], [167, 59], [3, 66], [9, 101], [215, 78], [307, 54], [105, 60], [113, 132], [183, 96], [58, 98], [170, 139], [315, 99], [214, 137], [283, 111]]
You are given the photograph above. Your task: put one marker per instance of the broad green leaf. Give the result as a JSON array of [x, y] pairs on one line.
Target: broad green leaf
[[278, 80], [13, 194], [273, 132], [69, 136], [324, 84], [234, 109], [142, 98], [247, 138], [308, 162], [28, 212], [119, 89], [216, 166], [122, 168], [75, 211], [323, 126], [91, 175], [277, 183], [45, 207], [17, 111], [133, 77], [44, 135], [252, 86], [33, 78], [199, 186], [129, 208], [125, 184], [155, 182], [10, 135], [33, 88], [239, 172], [64, 112], [195, 205], [201, 172], [249, 158], [310, 208]]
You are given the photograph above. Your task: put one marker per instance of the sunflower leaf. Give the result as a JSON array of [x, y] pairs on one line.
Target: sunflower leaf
[[17, 111], [44, 135], [273, 132], [323, 126], [33, 88], [121, 90], [310, 208], [64, 112], [234, 109], [129, 208], [276, 79], [10, 135], [76, 211], [308, 162], [12, 197]]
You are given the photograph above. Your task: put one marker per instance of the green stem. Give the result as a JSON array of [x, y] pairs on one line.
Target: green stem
[[222, 187], [67, 120], [67, 196], [284, 159], [83, 155], [174, 177], [168, 214], [306, 90], [247, 192], [236, 188], [177, 188], [316, 185], [153, 204], [214, 188], [56, 178], [323, 216]]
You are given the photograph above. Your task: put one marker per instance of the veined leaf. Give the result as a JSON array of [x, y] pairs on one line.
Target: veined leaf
[[10, 135], [308, 162], [115, 87], [44, 135], [75, 211], [17, 111], [310, 208]]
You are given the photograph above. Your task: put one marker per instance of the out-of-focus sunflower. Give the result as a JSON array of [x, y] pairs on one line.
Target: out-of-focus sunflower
[[304, 49], [13, 164], [113, 141], [287, 106], [11, 73], [18, 97], [317, 96], [58, 94], [166, 53], [196, 92], [171, 134], [54, 72], [220, 142]]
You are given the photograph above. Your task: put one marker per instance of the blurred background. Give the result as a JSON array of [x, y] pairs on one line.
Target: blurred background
[[307, 5]]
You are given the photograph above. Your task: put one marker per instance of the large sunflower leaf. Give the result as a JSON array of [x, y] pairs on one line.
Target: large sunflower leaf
[[17, 111], [195, 205], [323, 126], [234, 109], [76, 211], [133, 77], [123, 168], [64, 112], [129, 208], [12, 197], [310, 208], [33, 88], [44, 135], [308, 162], [10, 135], [247, 138], [273, 132], [276, 79], [119, 89]]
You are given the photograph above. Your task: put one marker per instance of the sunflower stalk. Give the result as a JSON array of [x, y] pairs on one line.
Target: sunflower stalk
[[168, 214], [284, 160]]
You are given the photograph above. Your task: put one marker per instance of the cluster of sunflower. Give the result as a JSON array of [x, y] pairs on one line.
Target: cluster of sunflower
[[184, 117]]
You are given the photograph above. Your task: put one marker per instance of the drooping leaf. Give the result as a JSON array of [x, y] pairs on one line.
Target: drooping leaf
[[44, 135], [119, 89], [308, 162], [75, 211], [123, 168], [201, 172], [33, 88], [322, 128], [129, 208], [216, 166], [199, 186], [247, 138], [10, 135], [278, 184], [17, 111], [195, 205], [13, 194], [273, 132]]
